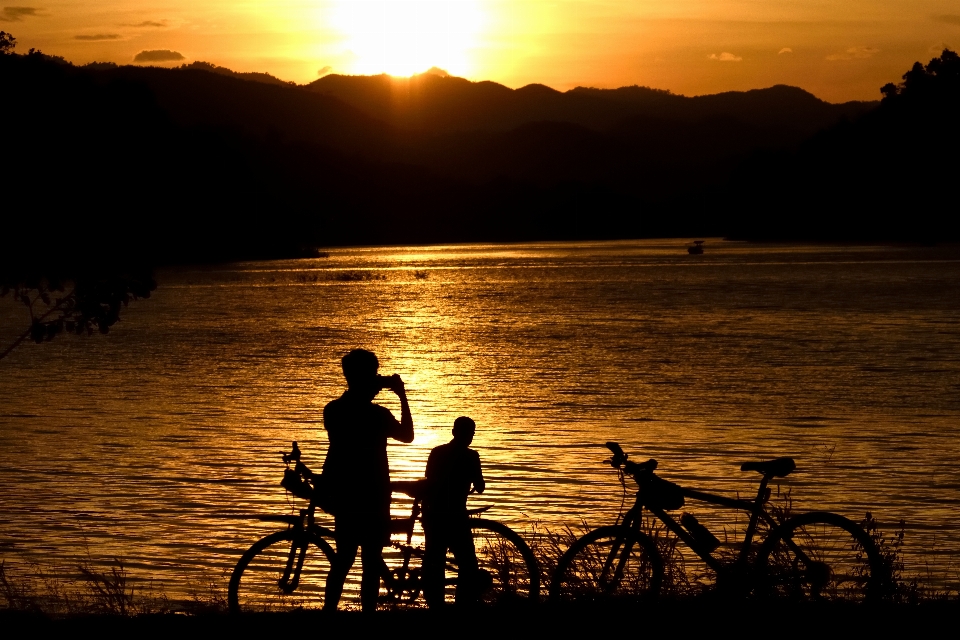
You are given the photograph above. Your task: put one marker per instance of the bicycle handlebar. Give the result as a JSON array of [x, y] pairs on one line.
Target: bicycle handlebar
[[619, 460], [293, 456]]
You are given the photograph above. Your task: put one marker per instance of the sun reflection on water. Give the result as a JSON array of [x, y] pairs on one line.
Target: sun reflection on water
[[846, 358]]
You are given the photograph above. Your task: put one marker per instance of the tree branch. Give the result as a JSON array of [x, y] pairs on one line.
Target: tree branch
[[26, 334]]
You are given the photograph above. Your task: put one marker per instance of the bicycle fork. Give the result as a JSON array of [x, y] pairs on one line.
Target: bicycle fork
[[290, 579], [619, 554]]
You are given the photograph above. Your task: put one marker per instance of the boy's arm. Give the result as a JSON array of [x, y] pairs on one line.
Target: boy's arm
[[478, 482]]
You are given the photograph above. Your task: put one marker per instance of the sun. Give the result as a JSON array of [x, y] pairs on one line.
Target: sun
[[403, 37]]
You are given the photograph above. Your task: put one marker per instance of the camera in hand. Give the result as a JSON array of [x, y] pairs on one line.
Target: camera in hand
[[384, 382]]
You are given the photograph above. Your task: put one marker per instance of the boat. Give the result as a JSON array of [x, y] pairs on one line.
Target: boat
[[696, 248]]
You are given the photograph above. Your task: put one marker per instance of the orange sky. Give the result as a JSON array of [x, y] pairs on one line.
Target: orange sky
[[839, 50]]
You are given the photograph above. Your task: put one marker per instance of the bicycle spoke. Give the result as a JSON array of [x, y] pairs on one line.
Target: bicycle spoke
[[505, 570], [608, 563], [278, 574], [819, 557], [497, 567]]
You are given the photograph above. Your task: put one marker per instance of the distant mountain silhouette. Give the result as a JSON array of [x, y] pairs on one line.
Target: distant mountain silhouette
[[201, 163], [628, 141], [265, 78], [443, 104]]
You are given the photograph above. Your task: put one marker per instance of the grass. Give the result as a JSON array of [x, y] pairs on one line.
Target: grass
[[87, 589], [687, 577], [30, 587]]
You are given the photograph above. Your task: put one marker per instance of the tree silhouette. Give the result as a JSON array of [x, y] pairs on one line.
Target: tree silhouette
[[93, 301], [938, 81], [887, 175], [7, 42]]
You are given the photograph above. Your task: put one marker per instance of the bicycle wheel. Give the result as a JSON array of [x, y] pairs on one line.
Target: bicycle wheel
[[819, 556], [609, 563], [266, 577], [508, 569]]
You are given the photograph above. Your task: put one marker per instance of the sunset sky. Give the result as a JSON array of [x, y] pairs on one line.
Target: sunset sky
[[837, 49]]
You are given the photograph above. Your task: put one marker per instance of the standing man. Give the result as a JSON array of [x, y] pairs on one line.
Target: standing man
[[452, 470], [357, 474]]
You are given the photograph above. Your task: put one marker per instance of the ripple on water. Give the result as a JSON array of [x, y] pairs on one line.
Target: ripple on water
[[134, 445]]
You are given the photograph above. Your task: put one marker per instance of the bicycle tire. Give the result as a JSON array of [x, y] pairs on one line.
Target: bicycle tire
[[838, 561], [512, 569], [584, 571], [255, 581]]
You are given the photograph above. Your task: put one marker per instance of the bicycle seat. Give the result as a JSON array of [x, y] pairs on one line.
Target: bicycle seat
[[413, 488], [779, 467]]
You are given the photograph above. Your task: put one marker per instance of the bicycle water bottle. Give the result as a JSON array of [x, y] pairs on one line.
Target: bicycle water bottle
[[701, 535]]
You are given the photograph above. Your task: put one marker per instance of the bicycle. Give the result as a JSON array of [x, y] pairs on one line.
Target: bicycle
[[288, 569], [813, 556]]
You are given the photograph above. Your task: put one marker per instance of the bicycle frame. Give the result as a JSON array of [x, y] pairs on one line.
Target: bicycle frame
[[633, 520], [397, 580], [402, 581], [815, 555]]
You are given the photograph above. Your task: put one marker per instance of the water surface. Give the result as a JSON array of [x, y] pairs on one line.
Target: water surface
[[135, 444]]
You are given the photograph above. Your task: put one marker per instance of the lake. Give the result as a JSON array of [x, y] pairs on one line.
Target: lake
[[135, 445]]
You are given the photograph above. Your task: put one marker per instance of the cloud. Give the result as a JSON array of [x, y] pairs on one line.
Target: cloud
[[855, 53], [149, 23], [158, 55], [98, 37], [16, 14], [785, 50], [324, 71], [726, 56], [937, 49], [950, 18]]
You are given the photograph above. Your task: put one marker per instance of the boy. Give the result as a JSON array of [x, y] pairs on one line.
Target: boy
[[452, 469]]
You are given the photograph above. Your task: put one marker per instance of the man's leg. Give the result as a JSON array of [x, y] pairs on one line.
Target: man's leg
[[371, 556], [339, 568]]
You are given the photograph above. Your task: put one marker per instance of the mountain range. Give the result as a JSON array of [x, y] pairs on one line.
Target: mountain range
[[203, 163], [438, 103]]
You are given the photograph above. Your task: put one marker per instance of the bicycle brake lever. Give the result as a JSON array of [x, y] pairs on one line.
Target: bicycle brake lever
[[619, 457], [615, 449]]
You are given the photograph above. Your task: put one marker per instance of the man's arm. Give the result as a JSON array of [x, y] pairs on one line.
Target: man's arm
[[405, 432]]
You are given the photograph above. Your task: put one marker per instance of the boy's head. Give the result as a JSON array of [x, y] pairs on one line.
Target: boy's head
[[360, 369], [463, 430]]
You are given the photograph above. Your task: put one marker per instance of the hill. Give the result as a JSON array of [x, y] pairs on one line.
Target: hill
[[889, 175], [201, 163], [439, 103]]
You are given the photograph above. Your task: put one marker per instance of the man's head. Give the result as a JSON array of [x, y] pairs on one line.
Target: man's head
[[360, 369], [463, 430]]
